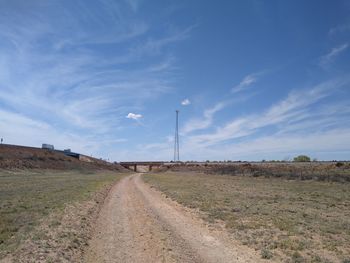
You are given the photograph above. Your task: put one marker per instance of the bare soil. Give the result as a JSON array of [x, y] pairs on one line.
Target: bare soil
[[139, 224]]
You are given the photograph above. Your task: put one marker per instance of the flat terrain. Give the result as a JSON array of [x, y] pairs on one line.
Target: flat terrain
[[56, 208], [284, 220], [317, 171], [138, 224], [44, 214]]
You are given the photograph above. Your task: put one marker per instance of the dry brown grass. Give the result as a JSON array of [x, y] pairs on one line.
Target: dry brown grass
[[288, 220], [33, 208], [318, 171]]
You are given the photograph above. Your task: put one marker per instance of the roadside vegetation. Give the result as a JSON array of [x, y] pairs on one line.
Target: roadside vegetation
[[302, 158], [287, 220], [300, 170], [40, 205]]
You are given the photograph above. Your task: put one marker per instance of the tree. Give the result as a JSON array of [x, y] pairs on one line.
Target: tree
[[302, 158]]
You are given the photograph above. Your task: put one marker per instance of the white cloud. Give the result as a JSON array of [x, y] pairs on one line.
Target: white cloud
[[275, 146], [306, 121], [134, 116], [134, 4], [245, 82], [332, 140], [205, 122], [292, 109], [19, 129], [328, 58], [165, 65], [67, 81], [185, 102], [339, 29], [154, 46]]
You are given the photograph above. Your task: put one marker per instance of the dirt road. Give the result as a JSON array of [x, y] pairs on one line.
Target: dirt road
[[138, 224]]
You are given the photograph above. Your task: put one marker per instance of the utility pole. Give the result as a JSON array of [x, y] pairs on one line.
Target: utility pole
[[176, 144]]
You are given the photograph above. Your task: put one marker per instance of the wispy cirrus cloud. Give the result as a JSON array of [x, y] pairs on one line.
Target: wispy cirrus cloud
[[339, 29], [204, 122], [165, 65], [336, 51], [246, 82], [153, 46], [23, 130], [134, 4], [271, 147], [306, 120], [68, 81], [296, 108]]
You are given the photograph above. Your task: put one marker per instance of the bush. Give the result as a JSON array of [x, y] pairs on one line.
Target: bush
[[266, 254], [297, 258], [302, 158], [339, 164]]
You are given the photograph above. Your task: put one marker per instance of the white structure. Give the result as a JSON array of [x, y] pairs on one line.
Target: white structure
[[48, 146]]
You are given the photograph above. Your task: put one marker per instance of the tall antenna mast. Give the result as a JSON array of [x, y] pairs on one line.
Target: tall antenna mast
[[176, 145]]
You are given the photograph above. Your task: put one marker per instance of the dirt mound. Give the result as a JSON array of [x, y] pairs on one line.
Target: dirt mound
[[20, 157]]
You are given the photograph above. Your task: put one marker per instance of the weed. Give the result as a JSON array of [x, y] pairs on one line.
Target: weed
[[297, 258], [266, 254]]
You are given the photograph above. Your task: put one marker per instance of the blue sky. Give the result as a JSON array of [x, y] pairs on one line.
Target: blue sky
[[252, 79]]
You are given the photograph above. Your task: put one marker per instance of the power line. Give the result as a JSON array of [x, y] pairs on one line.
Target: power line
[[176, 144]]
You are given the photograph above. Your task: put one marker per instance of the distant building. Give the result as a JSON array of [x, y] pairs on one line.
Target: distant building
[[67, 150], [48, 146]]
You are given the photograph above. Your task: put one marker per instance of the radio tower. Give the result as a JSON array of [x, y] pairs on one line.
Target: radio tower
[[176, 145]]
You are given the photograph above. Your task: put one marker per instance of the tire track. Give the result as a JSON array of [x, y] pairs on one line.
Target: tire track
[[137, 224]]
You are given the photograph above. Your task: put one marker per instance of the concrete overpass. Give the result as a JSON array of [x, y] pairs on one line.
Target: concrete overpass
[[133, 165]]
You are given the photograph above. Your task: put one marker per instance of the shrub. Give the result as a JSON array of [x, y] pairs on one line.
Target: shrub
[[266, 254], [297, 258], [339, 164], [34, 157], [302, 158]]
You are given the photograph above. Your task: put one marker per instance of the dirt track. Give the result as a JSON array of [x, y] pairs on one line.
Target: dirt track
[[138, 224]]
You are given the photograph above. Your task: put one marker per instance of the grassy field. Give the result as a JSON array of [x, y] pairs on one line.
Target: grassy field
[[287, 220], [26, 197]]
